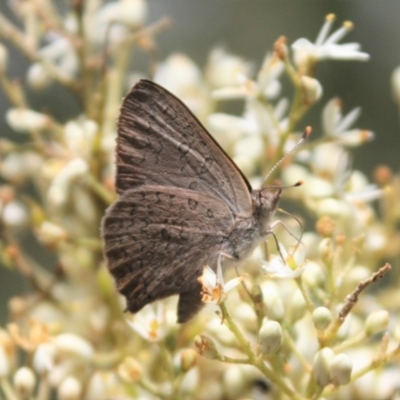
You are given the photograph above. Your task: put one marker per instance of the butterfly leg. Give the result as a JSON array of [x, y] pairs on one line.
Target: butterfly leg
[[271, 232]]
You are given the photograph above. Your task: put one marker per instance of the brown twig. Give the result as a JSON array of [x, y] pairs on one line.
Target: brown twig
[[352, 298], [350, 302]]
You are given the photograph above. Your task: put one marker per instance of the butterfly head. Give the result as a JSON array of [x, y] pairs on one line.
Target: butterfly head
[[265, 204]]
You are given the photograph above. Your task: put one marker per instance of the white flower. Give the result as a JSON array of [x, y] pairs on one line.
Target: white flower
[[180, 75], [15, 167], [79, 137], [331, 163], [60, 186], [150, 322], [337, 126], [115, 20], [128, 12], [290, 265], [225, 69], [214, 290], [60, 52], [266, 85], [268, 75], [327, 47]]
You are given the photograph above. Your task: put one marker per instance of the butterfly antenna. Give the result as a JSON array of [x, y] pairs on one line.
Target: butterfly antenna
[[306, 134]]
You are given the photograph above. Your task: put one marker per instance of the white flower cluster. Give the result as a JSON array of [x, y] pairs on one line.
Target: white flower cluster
[[287, 324]]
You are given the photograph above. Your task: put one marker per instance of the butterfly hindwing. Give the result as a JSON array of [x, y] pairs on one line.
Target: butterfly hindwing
[[157, 241]]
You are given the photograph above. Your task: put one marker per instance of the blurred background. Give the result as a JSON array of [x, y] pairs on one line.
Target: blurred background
[[249, 28]]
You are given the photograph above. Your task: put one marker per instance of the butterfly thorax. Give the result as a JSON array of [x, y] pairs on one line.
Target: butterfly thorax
[[249, 231]]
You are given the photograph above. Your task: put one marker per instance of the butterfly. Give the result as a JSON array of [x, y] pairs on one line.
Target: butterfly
[[182, 203]]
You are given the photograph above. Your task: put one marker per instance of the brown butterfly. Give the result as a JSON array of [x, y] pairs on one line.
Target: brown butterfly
[[183, 203]]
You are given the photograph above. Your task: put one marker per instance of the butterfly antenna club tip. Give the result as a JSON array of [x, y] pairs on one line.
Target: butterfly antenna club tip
[[307, 132]]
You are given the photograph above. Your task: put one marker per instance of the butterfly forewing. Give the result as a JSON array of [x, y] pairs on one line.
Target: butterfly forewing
[[160, 142]]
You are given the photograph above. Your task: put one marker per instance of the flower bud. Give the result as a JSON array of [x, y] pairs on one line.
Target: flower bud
[[325, 226], [130, 370], [325, 249], [51, 234], [24, 120], [321, 366], [312, 89], [3, 59], [74, 344], [206, 347], [190, 382], [340, 369], [356, 137], [24, 382], [4, 363], [322, 317], [70, 389], [297, 306], [376, 322], [313, 275], [273, 301], [15, 214], [270, 337], [96, 387], [335, 209], [234, 381], [188, 359], [37, 77], [43, 358]]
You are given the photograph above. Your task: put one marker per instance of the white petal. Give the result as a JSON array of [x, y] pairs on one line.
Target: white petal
[[277, 269], [229, 93], [209, 277], [331, 115], [348, 120], [232, 283], [355, 137], [300, 254], [367, 195], [341, 52]]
